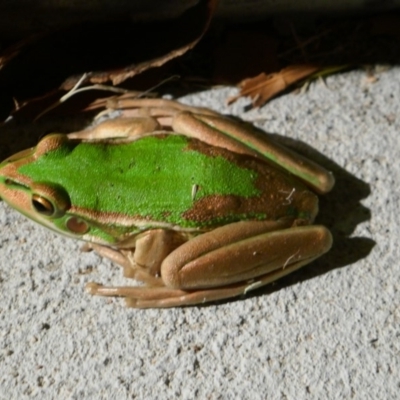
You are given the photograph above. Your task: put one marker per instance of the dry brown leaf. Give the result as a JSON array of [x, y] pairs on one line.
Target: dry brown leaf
[[189, 26], [105, 51], [263, 87]]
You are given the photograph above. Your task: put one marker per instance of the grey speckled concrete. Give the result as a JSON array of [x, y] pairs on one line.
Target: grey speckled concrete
[[330, 331]]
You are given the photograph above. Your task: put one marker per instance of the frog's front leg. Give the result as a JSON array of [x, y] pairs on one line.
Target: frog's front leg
[[141, 256], [227, 262]]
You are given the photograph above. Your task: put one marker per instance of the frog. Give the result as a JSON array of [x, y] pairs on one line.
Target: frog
[[195, 206]]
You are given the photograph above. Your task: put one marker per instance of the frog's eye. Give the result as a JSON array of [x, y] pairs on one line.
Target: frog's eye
[[42, 205], [49, 200]]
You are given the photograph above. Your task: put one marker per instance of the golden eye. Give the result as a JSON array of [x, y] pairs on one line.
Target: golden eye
[[50, 200], [77, 225], [42, 205]]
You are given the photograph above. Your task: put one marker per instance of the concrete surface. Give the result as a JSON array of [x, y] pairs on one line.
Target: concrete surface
[[329, 331]]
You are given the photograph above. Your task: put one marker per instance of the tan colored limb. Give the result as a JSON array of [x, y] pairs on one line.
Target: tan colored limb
[[154, 107], [130, 270], [144, 297], [143, 258], [118, 128], [253, 255], [237, 257]]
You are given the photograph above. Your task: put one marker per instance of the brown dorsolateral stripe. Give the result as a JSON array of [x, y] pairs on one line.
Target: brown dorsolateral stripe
[[280, 194]]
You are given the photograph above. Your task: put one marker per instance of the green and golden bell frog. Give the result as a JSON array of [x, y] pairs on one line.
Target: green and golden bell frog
[[197, 206]]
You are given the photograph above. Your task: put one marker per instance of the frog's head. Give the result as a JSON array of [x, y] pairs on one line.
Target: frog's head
[[42, 198]]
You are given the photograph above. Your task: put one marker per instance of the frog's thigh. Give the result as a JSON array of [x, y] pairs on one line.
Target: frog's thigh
[[231, 254]]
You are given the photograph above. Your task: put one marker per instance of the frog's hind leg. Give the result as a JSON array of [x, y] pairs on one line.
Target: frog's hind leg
[[227, 262], [242, 251], [163, 297]]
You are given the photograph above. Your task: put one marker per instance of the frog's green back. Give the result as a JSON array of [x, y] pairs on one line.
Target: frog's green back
[[159, 178]]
